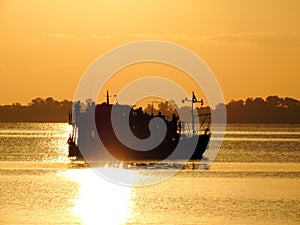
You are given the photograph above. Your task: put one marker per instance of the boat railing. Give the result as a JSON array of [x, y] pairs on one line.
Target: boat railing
[[70, 112]]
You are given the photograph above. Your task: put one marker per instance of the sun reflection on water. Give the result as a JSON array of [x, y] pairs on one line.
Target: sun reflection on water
[[100, 201]]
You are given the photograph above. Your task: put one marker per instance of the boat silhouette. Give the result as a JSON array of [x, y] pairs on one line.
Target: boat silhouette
[[94, 136]]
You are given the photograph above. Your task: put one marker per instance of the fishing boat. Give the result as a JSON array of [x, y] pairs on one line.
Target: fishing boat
[[94, 136]]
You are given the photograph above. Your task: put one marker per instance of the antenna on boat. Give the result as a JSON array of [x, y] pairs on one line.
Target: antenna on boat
[[193, 100], [107, 98]]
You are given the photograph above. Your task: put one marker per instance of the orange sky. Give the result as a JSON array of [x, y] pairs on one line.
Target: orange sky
[[252, 46]]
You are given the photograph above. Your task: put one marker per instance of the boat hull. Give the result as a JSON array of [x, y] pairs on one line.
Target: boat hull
[[183, 149]]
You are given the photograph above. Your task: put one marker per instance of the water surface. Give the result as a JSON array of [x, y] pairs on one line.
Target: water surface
[[254, 180]]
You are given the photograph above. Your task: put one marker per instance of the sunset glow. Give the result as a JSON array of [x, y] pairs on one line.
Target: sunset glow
[[253, 47]]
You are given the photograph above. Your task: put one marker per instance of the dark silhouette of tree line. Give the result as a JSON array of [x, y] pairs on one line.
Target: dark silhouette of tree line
[[273, 109], [38, 110]]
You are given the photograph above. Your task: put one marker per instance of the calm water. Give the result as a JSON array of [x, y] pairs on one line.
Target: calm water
[[255, 179]]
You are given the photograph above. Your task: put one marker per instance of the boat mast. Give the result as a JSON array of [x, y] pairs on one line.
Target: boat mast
[[193, 116], [193, 100], [107, 98]]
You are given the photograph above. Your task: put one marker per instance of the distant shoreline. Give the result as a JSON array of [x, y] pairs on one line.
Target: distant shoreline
[[272, 110]]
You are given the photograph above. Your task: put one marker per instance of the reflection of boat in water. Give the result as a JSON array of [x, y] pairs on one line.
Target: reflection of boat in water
[[95, 121]]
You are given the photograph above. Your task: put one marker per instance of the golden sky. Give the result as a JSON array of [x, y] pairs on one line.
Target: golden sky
[[252, 46]]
